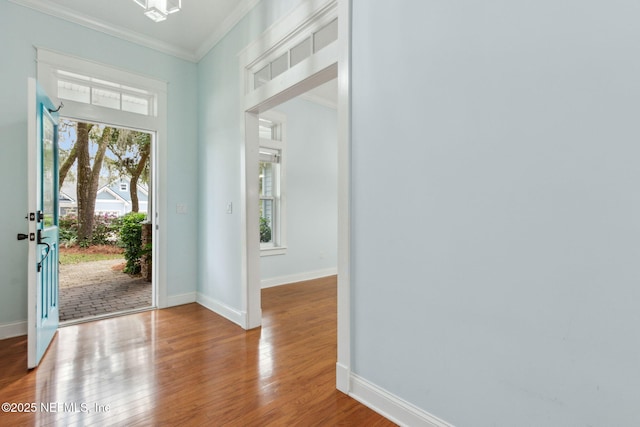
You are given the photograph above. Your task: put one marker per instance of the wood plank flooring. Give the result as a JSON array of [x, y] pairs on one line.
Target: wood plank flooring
[[187, 366]]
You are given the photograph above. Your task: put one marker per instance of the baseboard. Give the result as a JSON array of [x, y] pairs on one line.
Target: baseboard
[[10, 330], [181, 299], [299, 277], [343, 376], [390, 406], [235, 316]]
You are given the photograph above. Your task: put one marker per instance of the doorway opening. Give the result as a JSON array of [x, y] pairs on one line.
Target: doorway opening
[[106, 215], [252, 180], [326, 56], [298, 188]]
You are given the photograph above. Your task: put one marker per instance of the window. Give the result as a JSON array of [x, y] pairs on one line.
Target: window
[[271, 186], [100, 93], [269, 68], [269, 195], [103, 93]]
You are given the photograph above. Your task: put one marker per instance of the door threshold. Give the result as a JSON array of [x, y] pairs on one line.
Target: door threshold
[[105, 316]]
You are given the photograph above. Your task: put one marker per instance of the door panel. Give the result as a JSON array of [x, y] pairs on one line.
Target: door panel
[[43, 223]]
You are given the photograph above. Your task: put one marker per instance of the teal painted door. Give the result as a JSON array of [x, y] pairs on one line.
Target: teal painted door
[[43, 223]]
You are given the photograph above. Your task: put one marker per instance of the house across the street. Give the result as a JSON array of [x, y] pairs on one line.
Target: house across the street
[[113, 198]]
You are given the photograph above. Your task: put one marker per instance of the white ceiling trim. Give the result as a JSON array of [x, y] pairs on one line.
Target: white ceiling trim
[[132, 36], [104, 27], [230, 21]]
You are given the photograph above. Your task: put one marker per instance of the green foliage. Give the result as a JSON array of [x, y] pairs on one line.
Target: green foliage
[[105, 230], [68, 228], [265, 230], [130, 148], [131, 240]]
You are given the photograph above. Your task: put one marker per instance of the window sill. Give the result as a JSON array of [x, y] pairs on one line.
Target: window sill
[[274, 250]]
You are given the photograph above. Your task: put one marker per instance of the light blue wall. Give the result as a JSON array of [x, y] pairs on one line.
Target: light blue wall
[[496, 208], [312, 192], [20, 30], [220, 123]]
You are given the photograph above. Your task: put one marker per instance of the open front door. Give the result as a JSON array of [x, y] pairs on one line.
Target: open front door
[[43, 222]]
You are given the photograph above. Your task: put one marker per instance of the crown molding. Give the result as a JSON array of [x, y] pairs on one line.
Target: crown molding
[[104, 27], [227, 25], [132, 36]]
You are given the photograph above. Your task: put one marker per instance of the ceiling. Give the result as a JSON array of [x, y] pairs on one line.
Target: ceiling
[[188, 34], [207, 22]]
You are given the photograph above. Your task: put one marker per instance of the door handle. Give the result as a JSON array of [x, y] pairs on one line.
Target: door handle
[[42, 242], [30, 236]]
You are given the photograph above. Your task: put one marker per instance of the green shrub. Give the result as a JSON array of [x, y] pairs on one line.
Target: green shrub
[[106, 228], [265, 230], [68, 228], [131, 240]]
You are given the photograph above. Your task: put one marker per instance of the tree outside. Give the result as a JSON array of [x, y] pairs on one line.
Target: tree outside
[[95, 156]]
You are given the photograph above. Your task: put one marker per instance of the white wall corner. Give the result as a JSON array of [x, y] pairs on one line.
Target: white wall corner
[[298, 277], [188, 298], [221, 309], [391, 406], [241, 10], [10, 330]]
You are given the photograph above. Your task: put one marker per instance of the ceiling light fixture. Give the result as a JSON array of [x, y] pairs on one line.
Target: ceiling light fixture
[[157, 10]]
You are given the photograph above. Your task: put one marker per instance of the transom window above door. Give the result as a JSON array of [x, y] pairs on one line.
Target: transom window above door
[[103, 93]]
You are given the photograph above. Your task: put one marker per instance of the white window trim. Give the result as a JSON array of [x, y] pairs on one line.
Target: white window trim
[[93, 84], [283, 36], [279, 247], [49, 62]]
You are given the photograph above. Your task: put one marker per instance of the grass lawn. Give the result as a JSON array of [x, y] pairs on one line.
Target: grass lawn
[[77, 255]]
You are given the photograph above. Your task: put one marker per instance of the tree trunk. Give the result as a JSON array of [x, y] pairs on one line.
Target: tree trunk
[[135, 175], [88, 178], [82, 184], [66, 166]]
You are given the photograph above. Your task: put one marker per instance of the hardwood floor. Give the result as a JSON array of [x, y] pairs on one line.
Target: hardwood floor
[[187, 366]]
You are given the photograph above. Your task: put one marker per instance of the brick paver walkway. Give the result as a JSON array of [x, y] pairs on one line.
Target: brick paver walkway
[[94, 289]]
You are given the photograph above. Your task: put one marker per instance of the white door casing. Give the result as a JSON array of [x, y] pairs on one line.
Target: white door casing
[[49, 62], [322, 66]]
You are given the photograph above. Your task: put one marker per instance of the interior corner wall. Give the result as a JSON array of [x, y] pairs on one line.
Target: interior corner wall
[[496, 208], [311, 193], [20, 30], [220, 124]]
